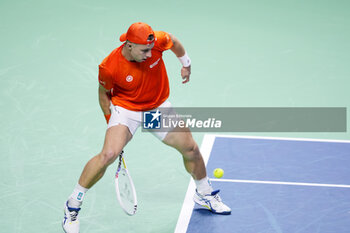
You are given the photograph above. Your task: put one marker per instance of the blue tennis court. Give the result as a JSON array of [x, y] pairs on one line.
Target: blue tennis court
[[274, 185]]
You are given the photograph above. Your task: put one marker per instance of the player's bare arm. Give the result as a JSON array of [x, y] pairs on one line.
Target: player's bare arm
[[104, 100], [179, 50]]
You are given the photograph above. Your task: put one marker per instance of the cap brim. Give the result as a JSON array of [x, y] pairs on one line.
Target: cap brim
[[122, 38]]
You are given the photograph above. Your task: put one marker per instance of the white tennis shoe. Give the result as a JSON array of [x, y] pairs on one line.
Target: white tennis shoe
[[212, 202], [70, 221]]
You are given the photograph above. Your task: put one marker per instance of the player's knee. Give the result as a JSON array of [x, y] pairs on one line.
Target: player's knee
[[108, 157], [191, 150]]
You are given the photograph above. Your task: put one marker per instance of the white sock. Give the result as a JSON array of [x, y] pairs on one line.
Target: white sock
[[203, 186], [76, 198]]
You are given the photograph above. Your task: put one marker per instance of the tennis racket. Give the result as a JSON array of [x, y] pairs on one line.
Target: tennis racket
[[125, 188]]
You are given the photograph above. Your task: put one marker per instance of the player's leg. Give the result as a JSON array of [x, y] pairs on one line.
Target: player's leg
[[185, 144], [182, 140], [115, 140], [122, 125]]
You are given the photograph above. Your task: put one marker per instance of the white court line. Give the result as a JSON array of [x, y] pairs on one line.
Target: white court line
[[276, 138], [283, 183]]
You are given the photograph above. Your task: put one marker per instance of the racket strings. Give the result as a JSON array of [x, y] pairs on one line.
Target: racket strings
[[127, 193]]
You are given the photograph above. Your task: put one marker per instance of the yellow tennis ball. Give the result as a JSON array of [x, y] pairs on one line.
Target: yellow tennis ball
[[218, 172]]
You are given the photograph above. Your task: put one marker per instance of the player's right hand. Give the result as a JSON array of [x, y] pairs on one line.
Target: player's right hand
[[185, 74]]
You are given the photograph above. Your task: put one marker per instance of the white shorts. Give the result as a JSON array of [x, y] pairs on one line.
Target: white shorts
[[133, 119]]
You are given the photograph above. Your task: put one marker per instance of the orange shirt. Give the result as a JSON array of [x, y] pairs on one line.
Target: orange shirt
[[137, 86]]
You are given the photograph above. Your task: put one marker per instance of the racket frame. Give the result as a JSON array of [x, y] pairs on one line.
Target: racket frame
[[122, 166]]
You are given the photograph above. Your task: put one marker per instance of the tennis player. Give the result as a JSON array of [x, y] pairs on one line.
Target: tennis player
[[133, 79]]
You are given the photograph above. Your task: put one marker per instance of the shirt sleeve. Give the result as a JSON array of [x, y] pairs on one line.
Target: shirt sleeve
[[105, 77], [163, 40]]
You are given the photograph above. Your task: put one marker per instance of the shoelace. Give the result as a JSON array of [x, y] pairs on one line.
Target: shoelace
[[217, 197], [73, 215], [213, 195], [73, 212]]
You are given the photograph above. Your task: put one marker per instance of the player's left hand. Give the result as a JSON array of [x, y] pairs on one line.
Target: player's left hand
[[185, 74]]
